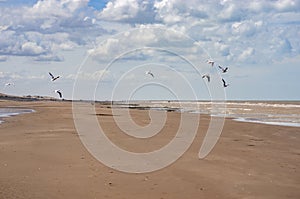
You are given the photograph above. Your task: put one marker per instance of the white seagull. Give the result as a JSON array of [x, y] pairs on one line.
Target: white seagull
[[224, 83], [59, 93], [149, 73], [206, 76], [210, 62], [52, 77], [9, 84], [224, 70]]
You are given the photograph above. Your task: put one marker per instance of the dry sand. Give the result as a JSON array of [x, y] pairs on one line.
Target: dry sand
[[41, 156]]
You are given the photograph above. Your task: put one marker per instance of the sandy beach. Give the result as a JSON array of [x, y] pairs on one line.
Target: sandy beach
[[41, 156]]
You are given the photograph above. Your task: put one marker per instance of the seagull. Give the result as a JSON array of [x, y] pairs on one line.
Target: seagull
[[206, 76], [52, 77], [223, 69], [210, 62], [149, 73], [9, 84], [224, 83], [59, 93]]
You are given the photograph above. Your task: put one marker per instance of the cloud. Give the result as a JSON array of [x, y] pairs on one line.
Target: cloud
[[222, 49], [120, 10], [274, 6], [131, 11], [55, 8], [280, 46], [226, 26], [31, 48], [287, 5], [2, 28], [99, 75], [246, 28], [44, 29], [19, 76], [247, 54], [152, 42], [49, 57], [231, 12]]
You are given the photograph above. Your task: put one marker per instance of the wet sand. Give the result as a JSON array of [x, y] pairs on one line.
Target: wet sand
[[41, 156]]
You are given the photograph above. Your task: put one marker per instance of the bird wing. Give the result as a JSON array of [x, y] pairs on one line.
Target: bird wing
[[59, 93], [224, 83], [207, 76], [51, 75], [149, 73], [55, 78]]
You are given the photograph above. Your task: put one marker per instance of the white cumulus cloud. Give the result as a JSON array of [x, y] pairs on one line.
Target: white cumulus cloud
[[225, 28]]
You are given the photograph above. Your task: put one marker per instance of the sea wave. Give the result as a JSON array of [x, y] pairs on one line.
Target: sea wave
[[273, 113]]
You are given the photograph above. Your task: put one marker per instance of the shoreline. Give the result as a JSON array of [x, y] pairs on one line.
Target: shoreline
[[144, 105], [41, 156]]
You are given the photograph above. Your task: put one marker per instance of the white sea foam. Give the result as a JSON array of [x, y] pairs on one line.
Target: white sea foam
[[268, 122], [8, 112], [273, 113]]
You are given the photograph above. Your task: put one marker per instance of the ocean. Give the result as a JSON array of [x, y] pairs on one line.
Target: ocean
[[284, 113]]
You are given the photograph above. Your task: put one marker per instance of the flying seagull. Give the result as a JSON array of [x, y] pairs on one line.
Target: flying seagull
[[9, 84], [59, 93], [52, 77], [210, 62], [223, 69], [224, 83], [206, 76], [149, 73]]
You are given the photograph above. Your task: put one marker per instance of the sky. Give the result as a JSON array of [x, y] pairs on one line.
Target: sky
[[102, 49]]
